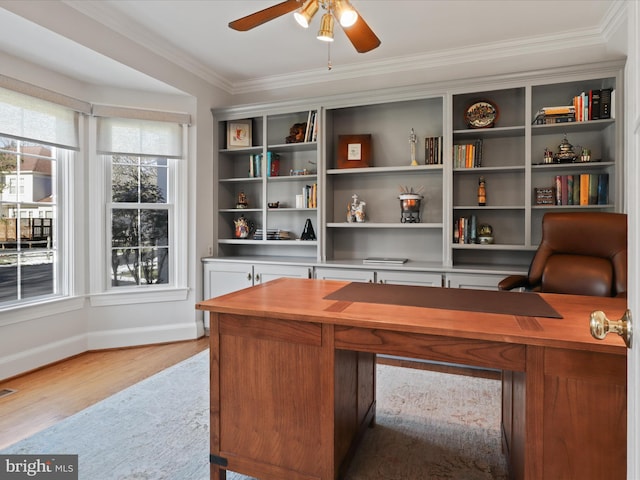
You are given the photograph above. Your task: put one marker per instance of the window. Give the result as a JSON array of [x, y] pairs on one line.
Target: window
[[140, 219], [38, 142], [143, 160]]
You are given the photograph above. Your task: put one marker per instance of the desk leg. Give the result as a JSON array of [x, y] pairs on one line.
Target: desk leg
[[522, 410], [217, 473]]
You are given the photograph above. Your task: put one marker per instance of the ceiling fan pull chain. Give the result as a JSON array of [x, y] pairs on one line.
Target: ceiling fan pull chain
[[328, 55]]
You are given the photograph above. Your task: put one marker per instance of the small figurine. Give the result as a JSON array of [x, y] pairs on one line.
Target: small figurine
[[355, 210], [482, 192], [242, 201], [413, 139], [308, 233]]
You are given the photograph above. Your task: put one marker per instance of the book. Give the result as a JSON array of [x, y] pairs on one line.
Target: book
[[309, 128], [593, 189], [584, 189], [564, 197], [467, 155], [603, 189], [382, 260], [564, 109], [595, 104], [576, 190], [273, 164], [433, 151], [552, 119], [605, 103]]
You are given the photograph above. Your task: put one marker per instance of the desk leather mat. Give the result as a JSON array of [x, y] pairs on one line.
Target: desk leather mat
[[485, 301]]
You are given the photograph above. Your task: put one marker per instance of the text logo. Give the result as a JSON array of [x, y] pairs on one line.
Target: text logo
[[49, 467]]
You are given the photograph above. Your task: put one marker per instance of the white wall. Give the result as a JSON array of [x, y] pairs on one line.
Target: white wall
[[35, 336]]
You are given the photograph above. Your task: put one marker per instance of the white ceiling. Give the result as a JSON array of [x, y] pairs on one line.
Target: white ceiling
[[194, 34]]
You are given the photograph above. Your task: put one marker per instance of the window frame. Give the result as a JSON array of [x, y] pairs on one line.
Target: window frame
[[102, 293], [63, 226]]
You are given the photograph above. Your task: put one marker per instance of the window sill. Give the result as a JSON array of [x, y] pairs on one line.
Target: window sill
[[137, 296]]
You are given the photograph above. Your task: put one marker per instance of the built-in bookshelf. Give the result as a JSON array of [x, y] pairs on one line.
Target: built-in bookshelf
[[278, 176], [517, 157], [383, 234]]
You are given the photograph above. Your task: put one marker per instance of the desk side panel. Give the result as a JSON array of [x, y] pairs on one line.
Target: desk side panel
[[270, 398], [585, 394]]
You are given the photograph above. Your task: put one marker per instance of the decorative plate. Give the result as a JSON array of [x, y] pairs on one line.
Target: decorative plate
[[482, 114]]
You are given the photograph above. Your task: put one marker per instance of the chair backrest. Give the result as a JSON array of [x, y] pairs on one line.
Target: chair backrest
[[582, 253]]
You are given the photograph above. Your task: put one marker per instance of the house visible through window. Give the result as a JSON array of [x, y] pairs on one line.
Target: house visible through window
[[38, 141]]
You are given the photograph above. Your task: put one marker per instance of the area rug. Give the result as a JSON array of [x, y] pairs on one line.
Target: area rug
[[428, 426]]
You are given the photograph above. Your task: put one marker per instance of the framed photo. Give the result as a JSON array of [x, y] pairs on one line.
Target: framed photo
[[354, 151], [239, 134]]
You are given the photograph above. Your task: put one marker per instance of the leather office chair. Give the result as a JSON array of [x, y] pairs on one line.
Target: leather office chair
[[581, 253]]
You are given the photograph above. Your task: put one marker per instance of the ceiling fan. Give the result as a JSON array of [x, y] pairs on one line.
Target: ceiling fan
[[356, 29]]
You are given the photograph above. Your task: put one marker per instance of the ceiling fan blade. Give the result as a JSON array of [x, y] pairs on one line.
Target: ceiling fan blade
[[361, 36], [263, 16]]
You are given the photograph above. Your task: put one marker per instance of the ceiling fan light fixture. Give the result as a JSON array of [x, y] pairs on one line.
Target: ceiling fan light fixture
[[345, 13], [304, 15], [326, 28]]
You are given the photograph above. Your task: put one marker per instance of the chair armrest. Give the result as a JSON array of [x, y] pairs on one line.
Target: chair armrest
[[513, 281]]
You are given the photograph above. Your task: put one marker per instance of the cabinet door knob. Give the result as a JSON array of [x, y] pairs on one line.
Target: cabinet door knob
[[258, 278], [249, 276]]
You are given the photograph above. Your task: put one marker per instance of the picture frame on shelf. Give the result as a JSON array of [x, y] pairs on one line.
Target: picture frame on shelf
[[354, 151], [239, 134]]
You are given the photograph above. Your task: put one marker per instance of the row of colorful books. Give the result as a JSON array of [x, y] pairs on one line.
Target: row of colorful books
[[310, 196], [272, 168], [589, 105], [433, 150], [594, 104], [581, 189], [465, 230], [468, 155]]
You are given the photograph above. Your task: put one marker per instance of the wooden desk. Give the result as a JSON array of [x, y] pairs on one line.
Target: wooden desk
[[293, 379]]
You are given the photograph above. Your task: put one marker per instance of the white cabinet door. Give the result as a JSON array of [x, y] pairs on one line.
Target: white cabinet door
[[478, 282], [347, 274], [409, 278], [221, 278], [263, 272]]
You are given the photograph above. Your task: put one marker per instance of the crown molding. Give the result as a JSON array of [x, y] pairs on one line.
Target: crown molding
[[412, 63], [578, 38]]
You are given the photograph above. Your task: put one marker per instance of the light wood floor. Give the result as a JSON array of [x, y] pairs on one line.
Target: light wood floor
[[50, 394]]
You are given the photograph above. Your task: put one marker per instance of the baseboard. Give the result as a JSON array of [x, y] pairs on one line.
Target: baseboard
[[37, 357], [128, 337]]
